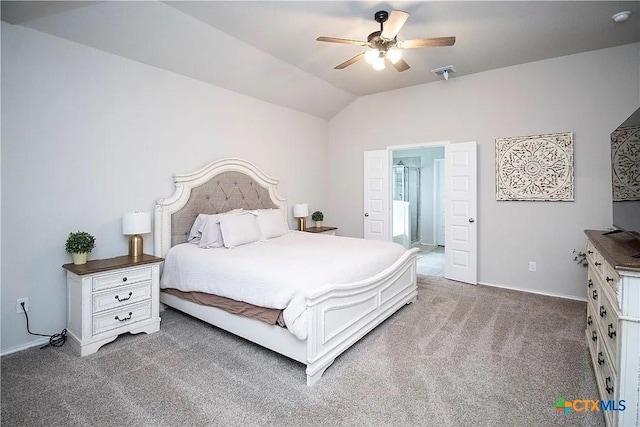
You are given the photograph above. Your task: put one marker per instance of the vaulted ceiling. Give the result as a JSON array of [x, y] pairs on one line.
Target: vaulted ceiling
[[268, 49]]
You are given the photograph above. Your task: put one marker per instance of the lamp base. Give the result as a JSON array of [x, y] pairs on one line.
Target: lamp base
[[135, 245], [302, 224]]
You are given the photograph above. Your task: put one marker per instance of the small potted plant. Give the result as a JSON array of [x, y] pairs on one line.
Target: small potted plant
[[318, 217], [79, 244]]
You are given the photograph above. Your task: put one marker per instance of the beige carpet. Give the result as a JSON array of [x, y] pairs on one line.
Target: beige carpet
[[460, 356]]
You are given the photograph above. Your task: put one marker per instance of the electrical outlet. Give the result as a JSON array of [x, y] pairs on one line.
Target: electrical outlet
[[19, 307], [532, 266]]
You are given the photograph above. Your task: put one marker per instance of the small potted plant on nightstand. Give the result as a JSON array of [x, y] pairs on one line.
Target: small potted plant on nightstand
[[79, 244], [318, 217]]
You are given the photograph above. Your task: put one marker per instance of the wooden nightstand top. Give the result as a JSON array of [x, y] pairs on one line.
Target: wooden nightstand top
[[98, 265], [319, 229]]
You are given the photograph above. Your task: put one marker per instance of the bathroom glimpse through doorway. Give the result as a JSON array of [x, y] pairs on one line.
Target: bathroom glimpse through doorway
[[417, 205]]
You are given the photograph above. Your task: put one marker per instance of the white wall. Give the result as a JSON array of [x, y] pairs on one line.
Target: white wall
[[588, 94], [88, 136]]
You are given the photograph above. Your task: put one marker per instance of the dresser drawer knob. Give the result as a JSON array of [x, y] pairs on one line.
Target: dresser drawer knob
[[594, 336], [125, 298], [609, 279], [603, 311], [124, 319], [594, 294], [590, 283], [598, 264], [609, 389], [124, 279], [589, 252], [610, 331], [600, 359], [589, 321]]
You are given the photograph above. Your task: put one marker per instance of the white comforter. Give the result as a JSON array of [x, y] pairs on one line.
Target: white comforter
[[277, 272]]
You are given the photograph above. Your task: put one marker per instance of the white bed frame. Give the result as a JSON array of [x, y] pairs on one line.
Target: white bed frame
[[338, 316]]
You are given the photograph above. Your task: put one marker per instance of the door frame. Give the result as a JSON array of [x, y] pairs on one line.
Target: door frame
[[395, 148], [438, 168]]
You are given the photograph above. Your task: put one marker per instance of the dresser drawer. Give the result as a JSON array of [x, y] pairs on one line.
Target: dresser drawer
[[610, 278], [124, 316], [121, 296], [609, 325], [107, 281], [591, 328]]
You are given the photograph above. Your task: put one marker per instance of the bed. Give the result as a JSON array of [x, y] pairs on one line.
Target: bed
[[332, 316]]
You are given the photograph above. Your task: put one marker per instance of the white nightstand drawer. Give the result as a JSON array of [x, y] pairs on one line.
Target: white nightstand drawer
[[107, 281], [121, 317], [121, 296]]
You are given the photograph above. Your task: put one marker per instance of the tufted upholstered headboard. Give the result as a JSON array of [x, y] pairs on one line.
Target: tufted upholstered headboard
[[218, 187]]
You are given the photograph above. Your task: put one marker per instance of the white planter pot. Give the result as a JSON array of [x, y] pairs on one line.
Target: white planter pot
[[80, 258], [318, 223]]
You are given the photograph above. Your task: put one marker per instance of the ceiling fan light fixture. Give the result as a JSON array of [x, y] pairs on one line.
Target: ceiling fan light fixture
[[378, 64], [371, 55], [394, 55]]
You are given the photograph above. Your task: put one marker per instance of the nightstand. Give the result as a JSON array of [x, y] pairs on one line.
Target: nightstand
[[322, 230], [108, 297]]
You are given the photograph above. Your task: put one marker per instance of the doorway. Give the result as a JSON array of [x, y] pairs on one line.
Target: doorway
[[460, 200], [417, 206]]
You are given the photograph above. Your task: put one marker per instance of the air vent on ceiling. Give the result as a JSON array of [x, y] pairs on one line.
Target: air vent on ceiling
[[444, 71]]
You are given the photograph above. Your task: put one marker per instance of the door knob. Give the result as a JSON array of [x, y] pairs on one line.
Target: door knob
[[366, 214], [471, 220]]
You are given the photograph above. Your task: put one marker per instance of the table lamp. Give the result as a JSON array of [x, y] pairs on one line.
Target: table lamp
[[134, 224], [301, 211]]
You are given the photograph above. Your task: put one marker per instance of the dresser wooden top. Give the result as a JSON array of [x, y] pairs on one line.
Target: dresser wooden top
[[98, 265], [617, 249]]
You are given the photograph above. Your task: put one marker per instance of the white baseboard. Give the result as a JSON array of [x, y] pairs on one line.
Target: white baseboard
[[36, 343], [533, 291]]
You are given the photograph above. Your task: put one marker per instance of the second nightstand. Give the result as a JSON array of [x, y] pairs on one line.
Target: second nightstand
[[108, 297], [322, 230]]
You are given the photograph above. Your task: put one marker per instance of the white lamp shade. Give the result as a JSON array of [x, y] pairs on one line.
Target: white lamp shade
[[301, 210], [136, 223]]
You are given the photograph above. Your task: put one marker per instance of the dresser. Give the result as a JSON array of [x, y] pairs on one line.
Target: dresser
[[613, 323], [108, 297]]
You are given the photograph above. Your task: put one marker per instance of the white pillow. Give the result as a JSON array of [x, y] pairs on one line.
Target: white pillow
[[199, 225], [272, 223], [240, 229]]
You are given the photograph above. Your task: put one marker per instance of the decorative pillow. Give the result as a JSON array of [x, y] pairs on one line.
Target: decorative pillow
[[240, 229], [195, 236], [272, 223]]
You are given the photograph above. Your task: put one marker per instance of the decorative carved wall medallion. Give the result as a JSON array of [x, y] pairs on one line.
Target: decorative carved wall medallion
[[625, 163], [537, 167]]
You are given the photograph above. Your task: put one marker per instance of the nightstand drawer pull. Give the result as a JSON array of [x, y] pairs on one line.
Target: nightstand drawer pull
[[589, 252], [609, 279], [598, 264], [600, 359], [124, 279], [609, 389], [590, 283], [124, 319], [594, 294], [589, 321], [610, 332], [603, 311], [124, 299], [594, 336]]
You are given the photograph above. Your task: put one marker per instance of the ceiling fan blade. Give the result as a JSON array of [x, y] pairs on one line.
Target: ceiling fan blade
[[348, 62], [392, 27], [400, 65], [344, 41], [433, 42]]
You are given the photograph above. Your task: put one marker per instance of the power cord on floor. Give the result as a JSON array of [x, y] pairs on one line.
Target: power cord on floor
[[55, 340]]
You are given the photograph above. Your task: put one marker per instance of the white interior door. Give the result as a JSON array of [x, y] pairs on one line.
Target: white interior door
[[461, 208], [377, 225]]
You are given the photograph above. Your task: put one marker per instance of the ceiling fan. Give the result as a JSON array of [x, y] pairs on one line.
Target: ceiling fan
[[384, 44]]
